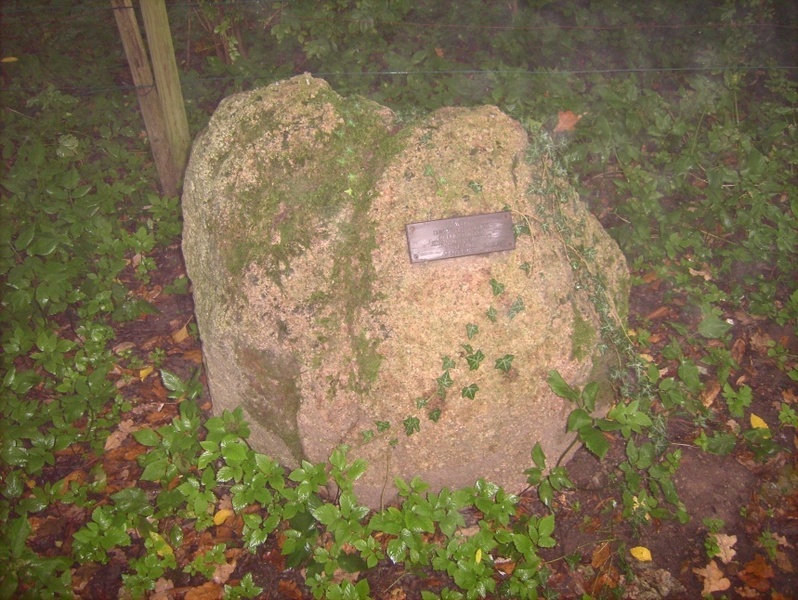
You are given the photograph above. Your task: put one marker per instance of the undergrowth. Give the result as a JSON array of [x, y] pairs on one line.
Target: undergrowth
[[702, 170]]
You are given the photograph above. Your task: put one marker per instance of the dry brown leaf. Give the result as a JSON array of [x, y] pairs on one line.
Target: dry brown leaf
[[756, 574], [289, 589], [714, 581], [439, 52], [120, 435], [658, 313], [789, 396], [180, 335], [761, 342], [710, 393], [194, 355], [746, 592], [704, 273], [207, 591], [725, 543], [222, 572], [738, 350], [782, 561], [600, 556], [566, 121]]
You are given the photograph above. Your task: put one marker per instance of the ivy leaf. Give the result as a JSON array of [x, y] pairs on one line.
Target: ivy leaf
[[491, 314], [435, 415], [412, 425], [516, 307], [505, 362], [445, 381], [448, 363], [470, 391], [471, 330], [475, 359], [382, 426], [497, 287]]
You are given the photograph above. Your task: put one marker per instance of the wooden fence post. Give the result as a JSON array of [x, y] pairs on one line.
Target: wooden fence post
[[167, 79], [160, 98]]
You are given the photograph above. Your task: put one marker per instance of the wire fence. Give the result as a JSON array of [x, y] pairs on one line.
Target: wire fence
[[32, 13]]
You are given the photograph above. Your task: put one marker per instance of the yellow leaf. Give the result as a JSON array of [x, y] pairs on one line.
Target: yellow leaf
[[478, 557], [145, 372], [758, 422], [162, 548], [181, 334], [641, 553], [9, 59], [222, 515]]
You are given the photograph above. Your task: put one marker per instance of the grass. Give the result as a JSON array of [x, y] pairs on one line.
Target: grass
[[693, 171]]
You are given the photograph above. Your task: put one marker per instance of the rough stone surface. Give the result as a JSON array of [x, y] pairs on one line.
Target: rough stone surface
[[315, 321]]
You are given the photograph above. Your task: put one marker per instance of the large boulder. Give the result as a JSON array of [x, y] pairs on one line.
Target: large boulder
[[314, 319]]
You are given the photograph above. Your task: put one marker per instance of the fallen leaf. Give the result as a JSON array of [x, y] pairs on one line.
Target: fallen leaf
[[700, 273], [120, 435], [222, 515], [207, 591], [566, 121], [710, 393], [738, 350], [9, 59], [658, 313], [782, 561], [289, 589], [222, 572], [756, 574], [181, 334], [789, 396], [145, 372], [758, 422], [761, 342], [641, 553], [439, 52], [194, 355], [714, 581], [725, 543], [600, 556]]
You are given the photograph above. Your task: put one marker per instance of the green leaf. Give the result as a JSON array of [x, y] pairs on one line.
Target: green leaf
[[412, 425], [491, 313], [594, 441], [147, 437], [475, 359], [172, 382], [578, 419], [471, 330], [561, 388], [505, 363], [713, 327], [497, 287], [470, 391], [516, 307], [326, 514], [546, 526], [538, 457], [445, 381], [448, 363]]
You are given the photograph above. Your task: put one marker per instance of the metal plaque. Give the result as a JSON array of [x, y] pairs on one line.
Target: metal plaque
[[460, 236]]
